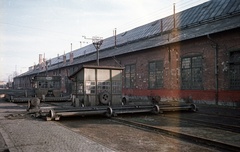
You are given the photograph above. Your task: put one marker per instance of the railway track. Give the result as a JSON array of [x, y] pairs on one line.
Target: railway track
[[220, 111], [191, 138], [219, 115], [183, 136], [232, 128]]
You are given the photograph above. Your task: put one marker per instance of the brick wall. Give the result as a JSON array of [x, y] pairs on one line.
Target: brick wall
[[172, 54]]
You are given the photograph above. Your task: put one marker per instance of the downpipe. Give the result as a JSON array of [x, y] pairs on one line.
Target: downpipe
[[216, 69]]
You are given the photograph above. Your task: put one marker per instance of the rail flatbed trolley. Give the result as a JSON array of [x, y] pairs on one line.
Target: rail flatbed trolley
[[46, 88]]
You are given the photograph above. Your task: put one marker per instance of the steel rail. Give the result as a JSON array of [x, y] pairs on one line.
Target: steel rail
[[212, 114], [209, 124], [185, 137]]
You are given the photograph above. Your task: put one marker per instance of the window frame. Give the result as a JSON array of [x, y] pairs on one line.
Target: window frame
[[158, 73], [131, 77], [234, 68], [194, 72]]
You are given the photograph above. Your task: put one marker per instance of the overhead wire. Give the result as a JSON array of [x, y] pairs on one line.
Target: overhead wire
[[126, 26], [135, 22], [155, 15]]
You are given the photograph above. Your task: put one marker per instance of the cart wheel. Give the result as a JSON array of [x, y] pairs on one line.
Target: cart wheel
[[124, 101], [28, 105], [34, 103], [104, 97], [11, 98], [156, 109], [109, 112], [52, 114], [193, 108]]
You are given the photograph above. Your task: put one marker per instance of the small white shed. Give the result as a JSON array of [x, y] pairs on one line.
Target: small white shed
[[97, 85]]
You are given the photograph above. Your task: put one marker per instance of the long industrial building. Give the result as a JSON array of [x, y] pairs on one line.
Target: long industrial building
[[192, 55]]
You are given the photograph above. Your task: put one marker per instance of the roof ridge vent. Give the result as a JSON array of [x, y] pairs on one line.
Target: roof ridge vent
[[206, 5], [154, 23], [124, 33]]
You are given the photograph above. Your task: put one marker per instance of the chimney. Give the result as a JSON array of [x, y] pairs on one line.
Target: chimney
[[71, 57], [174, 30], [64, 58], [30, 68], [34, 66], [115, 37], [43, 64], [50, 62], [40, 59], [161, 26], [174, 16]]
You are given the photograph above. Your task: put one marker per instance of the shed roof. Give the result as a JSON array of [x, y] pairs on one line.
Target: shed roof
[[208, 18]]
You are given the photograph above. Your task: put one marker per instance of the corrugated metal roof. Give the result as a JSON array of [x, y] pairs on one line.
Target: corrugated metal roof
[[209, 17]]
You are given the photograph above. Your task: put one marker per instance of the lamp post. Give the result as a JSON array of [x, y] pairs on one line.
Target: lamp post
[[97, 42]]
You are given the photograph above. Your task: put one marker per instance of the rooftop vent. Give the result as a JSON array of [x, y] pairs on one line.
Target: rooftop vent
[[124, 33], [154, 23]]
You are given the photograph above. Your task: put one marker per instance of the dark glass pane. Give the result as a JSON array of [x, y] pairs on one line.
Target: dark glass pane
[[151, 66], [197, 61], [132, 68], [127, 69], [186, 63], [156, 74], [234, 74]]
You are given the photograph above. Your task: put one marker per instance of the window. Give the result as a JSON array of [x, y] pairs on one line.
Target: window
[[116, 87], [116, 81], [104, 86], [54, 84], [234, 70], [79, 87], [191, 72], [130, 77], [90, 87], [155, 74]]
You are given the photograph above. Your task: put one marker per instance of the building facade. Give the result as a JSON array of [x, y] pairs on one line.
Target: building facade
[[192, 55]]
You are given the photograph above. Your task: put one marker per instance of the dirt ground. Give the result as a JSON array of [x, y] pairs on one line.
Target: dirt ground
[[119, 137], [123, 138]]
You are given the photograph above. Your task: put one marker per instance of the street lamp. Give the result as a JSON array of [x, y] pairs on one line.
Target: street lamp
[[97, 42]]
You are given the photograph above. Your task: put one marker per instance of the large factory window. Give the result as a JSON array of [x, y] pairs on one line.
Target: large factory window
[[155, 74], [192, 72], [116, 81], [130, 76], [234, 70]]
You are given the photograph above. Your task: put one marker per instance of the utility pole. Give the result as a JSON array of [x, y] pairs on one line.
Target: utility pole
[[161, 26], [115, 37], [97, 42], [58, 64], [174, 16]]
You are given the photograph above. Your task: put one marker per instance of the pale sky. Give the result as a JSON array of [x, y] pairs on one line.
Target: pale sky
[[32, 27]]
